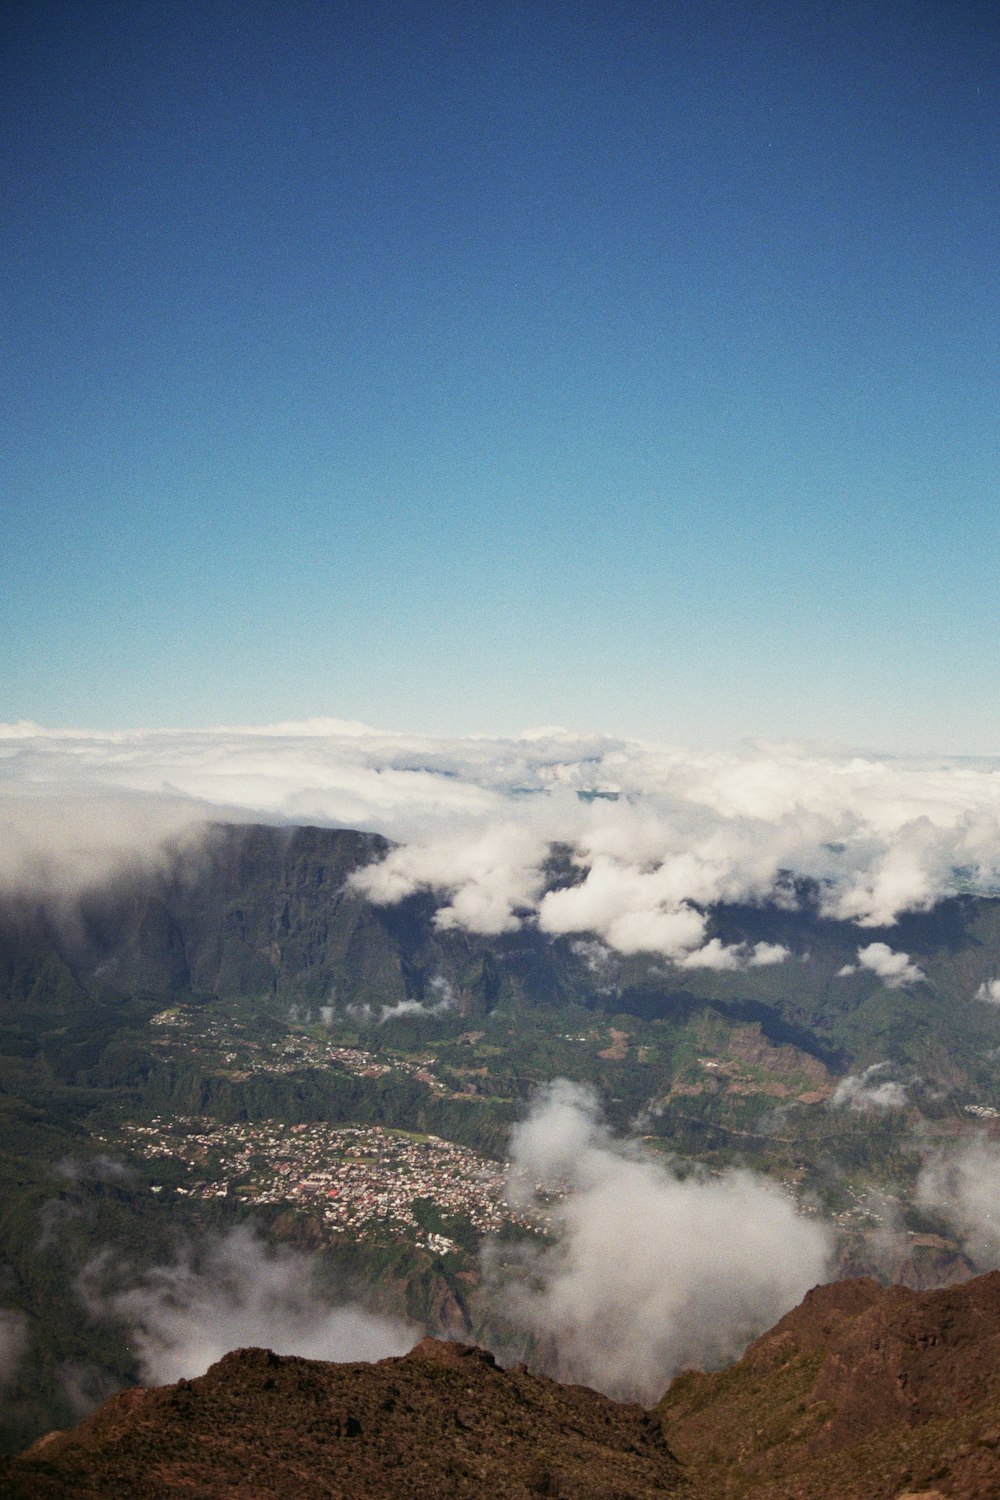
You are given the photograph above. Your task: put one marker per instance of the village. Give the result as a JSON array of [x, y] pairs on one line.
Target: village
[[361, 1181], [231, 1049]]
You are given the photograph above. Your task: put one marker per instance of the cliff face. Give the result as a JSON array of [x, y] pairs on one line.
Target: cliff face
[[250, 911], [254, 911], [266, 913], [443, 1420]]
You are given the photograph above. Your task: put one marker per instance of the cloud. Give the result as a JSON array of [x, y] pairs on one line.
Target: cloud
[[736, 956], [989, 991], [963, 1185], [13, 1341], [475, 819], [184, 1316], [85, 1386], [441, 997], [66, 841], [869, 1091], [99, 1168], [596, 956], [894, 969], [763, 955], [647, 1272], [632, 910], [488, 875]]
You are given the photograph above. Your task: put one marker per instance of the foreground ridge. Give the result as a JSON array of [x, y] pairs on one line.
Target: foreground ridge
[[441, 1420]]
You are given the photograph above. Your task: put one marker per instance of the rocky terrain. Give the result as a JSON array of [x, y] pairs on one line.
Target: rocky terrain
[[443, 1420], [860, 1393]]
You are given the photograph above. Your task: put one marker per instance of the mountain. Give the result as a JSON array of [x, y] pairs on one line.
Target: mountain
[[861, 1392], [264, 913], [443, 1420]]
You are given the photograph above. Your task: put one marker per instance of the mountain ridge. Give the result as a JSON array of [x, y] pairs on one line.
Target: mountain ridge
[[442, 1419], [861, 1392]]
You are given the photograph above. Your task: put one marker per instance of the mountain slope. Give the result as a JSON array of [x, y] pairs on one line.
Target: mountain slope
[[858, 1392], [266, 913]]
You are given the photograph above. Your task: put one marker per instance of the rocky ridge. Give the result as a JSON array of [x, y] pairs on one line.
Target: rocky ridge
[[860, 1393], [443, 1420]]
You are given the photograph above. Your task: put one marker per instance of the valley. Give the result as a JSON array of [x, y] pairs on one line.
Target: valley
[[246, 1044]]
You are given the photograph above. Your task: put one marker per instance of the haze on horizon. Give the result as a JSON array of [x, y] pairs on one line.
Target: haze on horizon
[[465, 367]]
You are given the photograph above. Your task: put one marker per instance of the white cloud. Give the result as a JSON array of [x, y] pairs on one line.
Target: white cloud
[[895, 969], [763, 955], [989, 991], [476, 816], [647, 1272], [488, 874], [185, 1316], [964, 1185], [869, 1091], [441, 997], [596, 956], [632, 910], [734, 957]]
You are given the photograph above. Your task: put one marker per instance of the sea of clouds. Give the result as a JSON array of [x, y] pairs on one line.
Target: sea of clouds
[[657, 833]]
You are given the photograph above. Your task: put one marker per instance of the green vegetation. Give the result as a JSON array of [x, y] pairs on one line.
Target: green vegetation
[[262, 992]]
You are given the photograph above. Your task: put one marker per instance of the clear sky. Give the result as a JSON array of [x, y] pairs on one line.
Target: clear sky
[[462, 366]]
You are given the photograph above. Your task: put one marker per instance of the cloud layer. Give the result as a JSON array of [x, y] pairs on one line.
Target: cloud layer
[[652, 833], [647, 1272]]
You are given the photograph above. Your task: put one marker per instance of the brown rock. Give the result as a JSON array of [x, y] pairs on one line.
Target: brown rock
[[859, 1393], [444, 1420]]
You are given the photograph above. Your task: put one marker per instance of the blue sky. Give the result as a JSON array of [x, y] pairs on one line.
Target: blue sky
[[460, 367]]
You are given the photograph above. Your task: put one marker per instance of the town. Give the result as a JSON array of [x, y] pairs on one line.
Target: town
[[361, 1181]]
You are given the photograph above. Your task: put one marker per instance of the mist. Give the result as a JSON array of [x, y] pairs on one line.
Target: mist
[[962, 1184], [647, 1272], [869, 1092], [234, 1293]]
